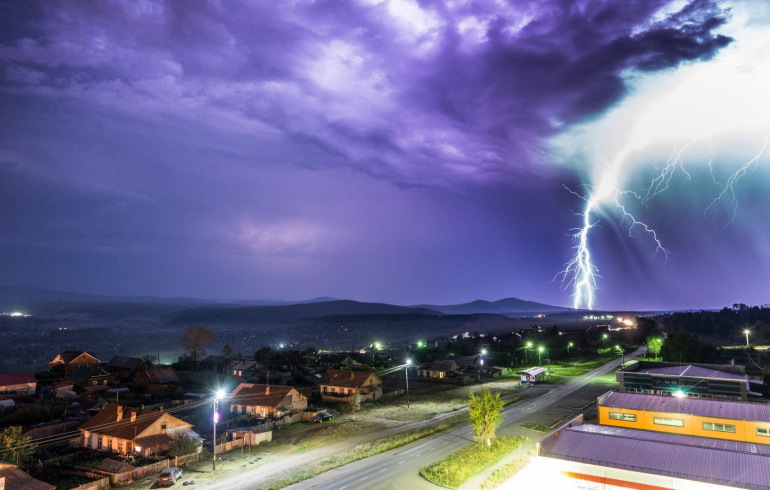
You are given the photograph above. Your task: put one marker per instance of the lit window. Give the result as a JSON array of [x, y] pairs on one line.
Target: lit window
[[763, 431], [667, 421], [718, 427], [627, 417]]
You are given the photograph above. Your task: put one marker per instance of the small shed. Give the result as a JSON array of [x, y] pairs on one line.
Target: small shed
[[532, 375]]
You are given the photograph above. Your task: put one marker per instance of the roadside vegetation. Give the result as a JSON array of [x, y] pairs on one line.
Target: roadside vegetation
[[537, 427], [469, 461], [504, 473]]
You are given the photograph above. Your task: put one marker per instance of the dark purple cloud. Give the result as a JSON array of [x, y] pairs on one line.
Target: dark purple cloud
[[239, 140]]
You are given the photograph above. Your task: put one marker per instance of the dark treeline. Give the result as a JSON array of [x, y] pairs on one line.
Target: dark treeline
[[727, 323]]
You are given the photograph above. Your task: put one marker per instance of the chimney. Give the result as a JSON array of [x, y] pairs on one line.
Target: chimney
[[352, 375], [120, 413], [133, 416], [267, 390]]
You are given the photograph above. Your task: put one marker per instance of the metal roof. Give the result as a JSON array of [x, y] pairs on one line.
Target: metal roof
[[736, 464], [532, 371], [756, 412], [689, 371]]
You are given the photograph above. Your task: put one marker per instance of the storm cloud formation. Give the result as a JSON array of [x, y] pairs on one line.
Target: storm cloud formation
[[391, 150]]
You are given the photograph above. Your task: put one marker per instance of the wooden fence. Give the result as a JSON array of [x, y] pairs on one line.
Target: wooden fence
[[100, 484]]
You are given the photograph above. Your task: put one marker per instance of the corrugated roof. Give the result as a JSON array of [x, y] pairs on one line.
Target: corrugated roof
[[690, 371], [731, 463], [447, 365], [18, 479], [106, 421], [756, 412], [258, 395], [347, 379], [16, 379], [123, 362], [532, 371]]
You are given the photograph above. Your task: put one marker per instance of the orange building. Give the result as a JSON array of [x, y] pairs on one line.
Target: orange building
[[735, 421]]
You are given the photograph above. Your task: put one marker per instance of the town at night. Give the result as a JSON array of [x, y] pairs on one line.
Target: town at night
[[385, 244]]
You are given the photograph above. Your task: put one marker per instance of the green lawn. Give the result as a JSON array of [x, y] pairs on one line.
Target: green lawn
[[467, 462]]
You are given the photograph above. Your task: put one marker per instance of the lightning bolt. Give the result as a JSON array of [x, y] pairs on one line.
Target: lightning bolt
[[728, 188], [580, 273]]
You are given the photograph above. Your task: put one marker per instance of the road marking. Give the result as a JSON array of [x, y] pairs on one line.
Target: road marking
[[400, 462], [343, 488], [364, 478], [418, 455], [446, 443], [384, 469]]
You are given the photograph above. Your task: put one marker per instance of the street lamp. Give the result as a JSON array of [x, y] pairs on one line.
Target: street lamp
[[622, 354], [406, 375], [568, 346], [604, 339], [526, 348], [483, 352], [747, 332], [218, 396], [540, 355]]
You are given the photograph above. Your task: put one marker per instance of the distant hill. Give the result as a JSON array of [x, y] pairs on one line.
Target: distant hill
[[257, 314], [30, 294], [502, 306]]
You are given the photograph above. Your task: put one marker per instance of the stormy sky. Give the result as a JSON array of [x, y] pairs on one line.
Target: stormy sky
[[404, 151]]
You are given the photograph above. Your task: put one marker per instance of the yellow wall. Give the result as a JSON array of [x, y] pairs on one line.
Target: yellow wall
[[745, 431]]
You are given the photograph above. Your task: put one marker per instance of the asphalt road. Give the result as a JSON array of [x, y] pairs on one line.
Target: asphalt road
[[377, 471]]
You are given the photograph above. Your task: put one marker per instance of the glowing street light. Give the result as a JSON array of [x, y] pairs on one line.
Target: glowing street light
[[568, 346], [604, 339], [483, 352], [622, 354], [406, 375], [540, 350], [377, 346], [747, 332], [217, 396], [679, 394]]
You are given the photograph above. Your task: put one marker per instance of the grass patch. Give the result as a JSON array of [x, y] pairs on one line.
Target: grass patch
[[512, 401], [537, 427], [363, 451], [468, 462], [504, 473]]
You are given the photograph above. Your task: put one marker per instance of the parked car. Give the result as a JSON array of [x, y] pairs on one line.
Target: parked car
[[322, 417], [169, 476]]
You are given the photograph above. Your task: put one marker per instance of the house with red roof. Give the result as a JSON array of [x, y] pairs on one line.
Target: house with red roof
[[266, 400], [18, 383]]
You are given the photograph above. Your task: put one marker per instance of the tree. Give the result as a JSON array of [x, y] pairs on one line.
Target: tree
[[193, 340], [681, 347], [15, 446], [227, 352], [654, 343], [183, 445], [484, 410], [147, 364], [355, 404]]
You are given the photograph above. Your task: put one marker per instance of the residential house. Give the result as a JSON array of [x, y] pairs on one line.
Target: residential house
[[121, 429], [340, 386], [215, 362], [159, 381], [90, 379], [243, 368], [19, 383], [71, 359], [440, 369], [123, 367], [14, 478], [266, 400]]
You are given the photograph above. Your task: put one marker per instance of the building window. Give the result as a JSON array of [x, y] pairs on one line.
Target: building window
[[763, 431], [163, 426], [718, 427], [109, 445], [99, 443], [667, 421], [627, 417]]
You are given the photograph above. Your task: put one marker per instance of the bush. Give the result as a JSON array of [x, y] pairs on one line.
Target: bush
[[183, 445], [469, 461]]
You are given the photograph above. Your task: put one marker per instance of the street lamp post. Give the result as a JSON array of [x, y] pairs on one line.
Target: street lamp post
[[406, 375], [747, 332], [622, 355], [540, 355], [604, 339], [568, 346], [526, 348], [218, 396]]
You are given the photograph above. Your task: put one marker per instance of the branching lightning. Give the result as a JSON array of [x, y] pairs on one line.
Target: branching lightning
[[580, 272]]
